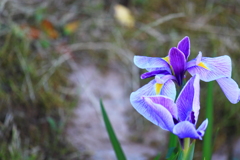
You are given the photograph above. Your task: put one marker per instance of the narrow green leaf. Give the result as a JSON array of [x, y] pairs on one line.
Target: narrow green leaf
[[189, 154], [171, 151], [157, 157], [207, 139], [173, 141], [115, 143], [191, 151]]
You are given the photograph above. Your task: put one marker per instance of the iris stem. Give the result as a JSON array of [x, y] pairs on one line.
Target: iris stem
[[186, 144]]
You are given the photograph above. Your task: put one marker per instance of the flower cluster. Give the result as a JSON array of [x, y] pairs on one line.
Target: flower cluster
[[157, 101]]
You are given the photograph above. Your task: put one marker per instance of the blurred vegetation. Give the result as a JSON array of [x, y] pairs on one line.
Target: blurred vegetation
[[34, 90], [35, 101]]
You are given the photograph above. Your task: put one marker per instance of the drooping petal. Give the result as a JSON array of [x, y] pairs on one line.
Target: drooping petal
[[178, 63], [188, 99], [166, 102], [153, 73], [155, 113], [185, 129], [201, 129], [151, 63], [210, 69], [230, 89], [184, 46]]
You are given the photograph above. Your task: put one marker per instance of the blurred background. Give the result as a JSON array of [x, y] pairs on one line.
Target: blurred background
[[59, 57]]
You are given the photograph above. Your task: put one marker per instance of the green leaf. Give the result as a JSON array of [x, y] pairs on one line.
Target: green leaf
[[52, 123], [191, 151], [172, 153], [157, 157], [207, 140], [115, 143]]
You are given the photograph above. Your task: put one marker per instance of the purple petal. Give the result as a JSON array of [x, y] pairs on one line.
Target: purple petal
[[169, 88], [149, 90], [218, 67], [151, 63], [153, 73], [155, 113], [178, 63], [166, 102], [186, 129], [201, 129], [184, 46], [164, 78], [230, 89], [188, 99]]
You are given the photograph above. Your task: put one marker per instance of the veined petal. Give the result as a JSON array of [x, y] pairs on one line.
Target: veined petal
[[168, 87], [150, 63], [157, 114], [137, 101], [230, 89], [161, 78], [185, 129], [201, 129], [188, 99], [178, 63], [210, 69], [166, 102], [184, 46]]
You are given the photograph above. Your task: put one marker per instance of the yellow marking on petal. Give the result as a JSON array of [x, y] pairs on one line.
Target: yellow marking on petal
[[166, 59], [201, 64], [158, 88]]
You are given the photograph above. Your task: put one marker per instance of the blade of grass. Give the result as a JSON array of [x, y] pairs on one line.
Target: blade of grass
[[115, 143], [173, 141], [157, 157], [207, 141]]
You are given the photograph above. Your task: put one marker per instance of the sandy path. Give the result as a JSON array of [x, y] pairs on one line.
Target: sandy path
[[87, 131]]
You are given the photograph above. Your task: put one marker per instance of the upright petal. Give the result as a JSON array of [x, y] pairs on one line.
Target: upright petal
[[210, 69], [201, 129], [188, 99], [178, 63], [166, 102], [156, 113], [186, 129], [151, 63], [184, 46], [230, 89]]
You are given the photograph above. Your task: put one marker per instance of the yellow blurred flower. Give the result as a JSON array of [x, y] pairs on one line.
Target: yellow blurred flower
[[123, 16]]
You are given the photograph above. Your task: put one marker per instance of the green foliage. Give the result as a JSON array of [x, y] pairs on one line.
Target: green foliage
[[31, 91], [115, 143]]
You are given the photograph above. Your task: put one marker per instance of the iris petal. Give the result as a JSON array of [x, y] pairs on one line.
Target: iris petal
[[167, 103], [201, 129], [151, 63], [184, 46], [230, 89], [153, 73], [218, 67], [188, 99], [185, 129], [178, 63], [155, 113]]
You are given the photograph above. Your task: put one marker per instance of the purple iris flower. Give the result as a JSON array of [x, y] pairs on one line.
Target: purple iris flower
[[179, 118], [173, 67]]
